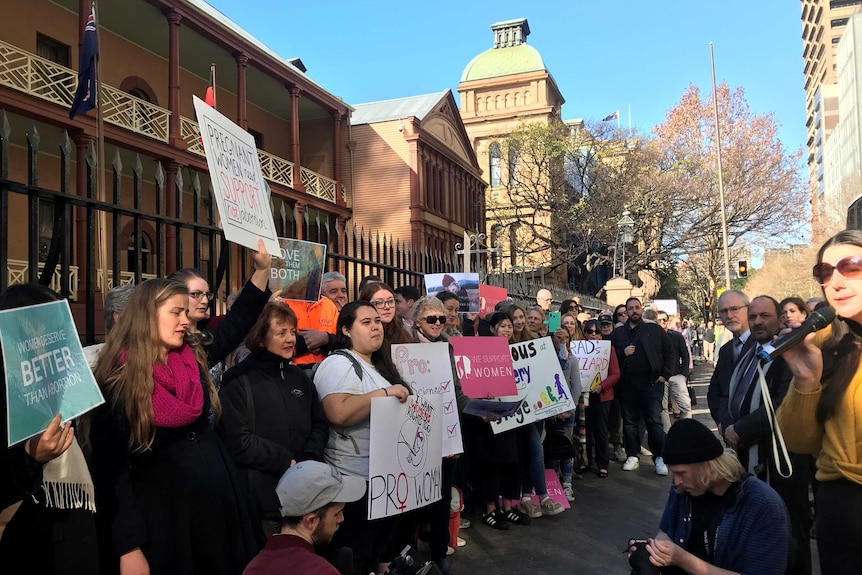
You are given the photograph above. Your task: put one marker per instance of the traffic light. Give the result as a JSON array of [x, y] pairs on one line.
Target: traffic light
[[742, 268], [706, 303]]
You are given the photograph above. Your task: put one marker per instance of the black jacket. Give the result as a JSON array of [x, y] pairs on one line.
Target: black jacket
[[227, 334], [271, 415], [678, 342], [656, 344]]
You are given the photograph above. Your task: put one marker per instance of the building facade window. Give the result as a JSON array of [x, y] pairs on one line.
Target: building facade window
[[514, 154], [46, 228], [258, 139], [53, 50], [837, 22], [144, 245], [496, 166]]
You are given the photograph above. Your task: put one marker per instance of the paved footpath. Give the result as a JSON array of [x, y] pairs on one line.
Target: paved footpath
[[590, 538]]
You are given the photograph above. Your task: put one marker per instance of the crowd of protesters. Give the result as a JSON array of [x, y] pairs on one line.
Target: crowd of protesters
[[240, 444]]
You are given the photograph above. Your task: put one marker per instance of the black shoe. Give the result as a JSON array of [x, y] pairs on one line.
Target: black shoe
[[515, 516], [495, 520]]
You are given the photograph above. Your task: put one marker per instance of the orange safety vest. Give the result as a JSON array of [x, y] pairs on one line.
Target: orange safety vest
[[321, 315]]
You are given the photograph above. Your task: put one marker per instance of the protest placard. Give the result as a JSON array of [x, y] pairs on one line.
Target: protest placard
[[484, 365], [296, 269], [237, 181], [46, 372], [405, 460], [427, 368], [594, 357], [542, 387], [489, 296], [465, 286]]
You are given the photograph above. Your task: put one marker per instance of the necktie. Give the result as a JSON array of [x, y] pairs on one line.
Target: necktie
[[745, 383], [737, 349]]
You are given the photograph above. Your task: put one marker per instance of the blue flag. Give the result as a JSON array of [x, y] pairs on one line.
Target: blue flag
[[85, 95]]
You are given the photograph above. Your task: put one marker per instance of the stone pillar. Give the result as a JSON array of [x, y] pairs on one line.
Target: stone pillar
[[298, 213], [336, 156], [174, 19], [79, 255], [294, 136], [241, 110]]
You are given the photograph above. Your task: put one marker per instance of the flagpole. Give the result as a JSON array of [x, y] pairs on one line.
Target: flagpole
[[213, 82], [101, 222], [630, 119], [618, 120]]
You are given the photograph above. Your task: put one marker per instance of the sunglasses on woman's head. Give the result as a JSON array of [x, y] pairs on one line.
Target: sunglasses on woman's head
[[850, 267], [432, 319]]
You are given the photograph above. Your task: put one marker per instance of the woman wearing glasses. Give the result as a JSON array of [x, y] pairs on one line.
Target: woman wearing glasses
[[222, 339], [821, 412], [601, 397], [382, 297]]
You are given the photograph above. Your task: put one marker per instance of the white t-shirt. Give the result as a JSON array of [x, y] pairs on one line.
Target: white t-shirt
[[348, 447]]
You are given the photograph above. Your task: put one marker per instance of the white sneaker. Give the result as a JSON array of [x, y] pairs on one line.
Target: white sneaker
[[461, 542], [567, 489], [631, 464], [660, 467], [645, 451]]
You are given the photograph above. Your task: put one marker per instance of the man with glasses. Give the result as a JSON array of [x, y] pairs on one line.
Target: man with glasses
[[733, 312], [544, 299], [647, 360]]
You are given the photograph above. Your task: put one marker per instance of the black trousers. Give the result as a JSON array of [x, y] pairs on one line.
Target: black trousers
[[369, 540], [597, 431], [839, 527], [795, 496]]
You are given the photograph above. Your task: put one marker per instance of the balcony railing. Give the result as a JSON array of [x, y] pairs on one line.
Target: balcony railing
[[317, 185], [46, 80], [41, 78], [126, 278], [17, 272]]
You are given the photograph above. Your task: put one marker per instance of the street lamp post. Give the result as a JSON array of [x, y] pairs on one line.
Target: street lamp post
[[625, 227]]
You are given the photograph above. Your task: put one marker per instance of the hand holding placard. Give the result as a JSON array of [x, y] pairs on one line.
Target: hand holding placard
[[52, 442]]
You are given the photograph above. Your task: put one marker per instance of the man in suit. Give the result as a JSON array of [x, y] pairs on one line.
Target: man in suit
[[747, 428], [733, 311]]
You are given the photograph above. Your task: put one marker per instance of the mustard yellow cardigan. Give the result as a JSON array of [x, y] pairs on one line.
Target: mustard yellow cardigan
[[838, 442]]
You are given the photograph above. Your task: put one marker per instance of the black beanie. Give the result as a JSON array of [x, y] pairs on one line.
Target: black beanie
[[690, 441]]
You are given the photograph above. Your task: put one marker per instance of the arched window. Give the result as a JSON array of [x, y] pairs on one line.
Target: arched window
[[496, 166], [513, 164], [145, 246]]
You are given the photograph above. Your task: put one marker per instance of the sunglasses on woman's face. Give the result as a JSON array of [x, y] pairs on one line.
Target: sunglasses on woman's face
[[432, 319], [849, 267], [593, 331]]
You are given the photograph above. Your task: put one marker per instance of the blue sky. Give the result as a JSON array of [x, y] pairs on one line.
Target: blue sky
[[603, 55]]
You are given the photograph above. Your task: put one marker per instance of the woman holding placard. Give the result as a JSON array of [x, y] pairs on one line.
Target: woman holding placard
[[170, 499], [382, 297], [601, 396], [346, 382], [53, 529]]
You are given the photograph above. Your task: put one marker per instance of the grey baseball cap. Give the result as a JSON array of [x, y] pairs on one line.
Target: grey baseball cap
[[310, 485]]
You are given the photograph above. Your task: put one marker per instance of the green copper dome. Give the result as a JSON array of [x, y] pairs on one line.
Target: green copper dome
[[503, 62]]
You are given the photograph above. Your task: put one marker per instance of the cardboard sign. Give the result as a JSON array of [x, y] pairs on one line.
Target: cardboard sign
[[427, 367], [405, 460], [484, 366], [465, 286], [594, 357], [237, 181], [489, 296], [46, 372], [296, 269], [542, 387]]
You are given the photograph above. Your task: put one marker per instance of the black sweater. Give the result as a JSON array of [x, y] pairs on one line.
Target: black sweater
[[271, 415]]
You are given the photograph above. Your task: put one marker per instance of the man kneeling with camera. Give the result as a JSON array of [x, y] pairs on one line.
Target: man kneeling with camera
[[718, 520]]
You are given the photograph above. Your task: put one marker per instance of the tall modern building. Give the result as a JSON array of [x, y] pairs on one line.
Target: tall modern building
[[823, 23]]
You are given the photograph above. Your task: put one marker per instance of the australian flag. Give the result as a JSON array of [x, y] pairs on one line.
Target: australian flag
[[85, 95]]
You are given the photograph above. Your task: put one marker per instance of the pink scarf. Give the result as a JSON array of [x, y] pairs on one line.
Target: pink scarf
[[178, 396]]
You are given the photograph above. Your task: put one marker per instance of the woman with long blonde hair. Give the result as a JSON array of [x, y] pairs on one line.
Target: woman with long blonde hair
[[168, 496]]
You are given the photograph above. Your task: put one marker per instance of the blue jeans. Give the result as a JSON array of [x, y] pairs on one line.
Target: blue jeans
[[641, 399], [534, 472]]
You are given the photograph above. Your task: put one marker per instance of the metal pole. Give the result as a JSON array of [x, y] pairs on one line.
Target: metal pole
[[720, 179]]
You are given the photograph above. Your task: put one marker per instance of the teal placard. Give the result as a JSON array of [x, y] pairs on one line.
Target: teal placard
[[46, 372]]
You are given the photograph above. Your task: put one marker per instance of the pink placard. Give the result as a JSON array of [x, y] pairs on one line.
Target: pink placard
[[489, 296], [555, 490], [484, 366]]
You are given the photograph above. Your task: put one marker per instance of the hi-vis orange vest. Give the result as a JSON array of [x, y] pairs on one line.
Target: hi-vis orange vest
[[321, 315]]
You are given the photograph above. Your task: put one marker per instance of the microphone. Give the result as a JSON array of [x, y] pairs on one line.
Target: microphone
[[815, 322]]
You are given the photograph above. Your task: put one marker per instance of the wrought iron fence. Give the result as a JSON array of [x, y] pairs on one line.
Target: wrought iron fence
[[66, 232]]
